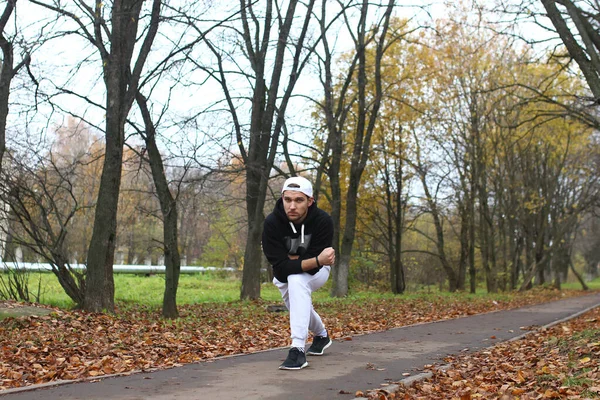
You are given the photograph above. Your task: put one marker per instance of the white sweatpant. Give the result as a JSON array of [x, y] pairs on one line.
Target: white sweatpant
[[297, 296]]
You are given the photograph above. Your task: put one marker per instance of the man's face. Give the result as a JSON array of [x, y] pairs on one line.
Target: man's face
[[296, 205]]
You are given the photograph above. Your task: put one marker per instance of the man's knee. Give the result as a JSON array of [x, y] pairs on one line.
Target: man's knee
[[298, 281]]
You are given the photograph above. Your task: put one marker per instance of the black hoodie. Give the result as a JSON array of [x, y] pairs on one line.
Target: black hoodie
[[279, 239]]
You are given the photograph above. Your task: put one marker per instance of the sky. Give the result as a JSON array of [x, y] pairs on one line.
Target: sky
[[57, 64]]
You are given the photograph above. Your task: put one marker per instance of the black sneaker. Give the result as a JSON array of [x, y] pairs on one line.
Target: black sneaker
[[296, 359], [318, 346]]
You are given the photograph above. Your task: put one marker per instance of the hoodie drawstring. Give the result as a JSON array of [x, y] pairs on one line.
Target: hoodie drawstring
[[295, 231]]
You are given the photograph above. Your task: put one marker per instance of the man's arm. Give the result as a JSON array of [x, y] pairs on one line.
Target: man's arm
[[326, 257]]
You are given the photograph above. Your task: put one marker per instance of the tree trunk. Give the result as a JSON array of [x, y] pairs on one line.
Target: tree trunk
[[252, 260], [395, 228], [7, 73], [336, 200], [472, 227], [588, 63], [118, 79], [484, 248], [100, 288], [464, 247], [578, 276], [340, 287], [168, 207], [399, 282], [439, 230], [533, 270], [515, 256], [256, 182]]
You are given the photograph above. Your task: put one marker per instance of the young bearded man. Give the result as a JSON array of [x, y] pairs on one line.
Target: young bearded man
[[297, 239]]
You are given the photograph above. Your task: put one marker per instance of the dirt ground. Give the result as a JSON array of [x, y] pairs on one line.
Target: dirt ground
[[14, 309]]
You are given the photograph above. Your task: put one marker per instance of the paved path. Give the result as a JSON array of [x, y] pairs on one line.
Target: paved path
[[359, 364]]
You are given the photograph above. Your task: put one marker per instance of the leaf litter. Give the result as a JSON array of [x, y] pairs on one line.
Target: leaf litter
[[561, 362], [74, 345]]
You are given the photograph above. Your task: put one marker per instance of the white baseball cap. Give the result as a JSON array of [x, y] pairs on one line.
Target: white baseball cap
[[298, 184]]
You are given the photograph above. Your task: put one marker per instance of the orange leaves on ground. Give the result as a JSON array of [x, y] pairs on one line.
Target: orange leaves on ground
[[67, 345], [562, 362]]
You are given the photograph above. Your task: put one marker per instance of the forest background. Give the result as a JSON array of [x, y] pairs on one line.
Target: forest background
[[453, 144]]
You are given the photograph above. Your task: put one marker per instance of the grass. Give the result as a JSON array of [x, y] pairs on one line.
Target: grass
[[218, 288], [577, 381], [566, 344], [593, 285], [193, 289], [149, 290], [546, 378]]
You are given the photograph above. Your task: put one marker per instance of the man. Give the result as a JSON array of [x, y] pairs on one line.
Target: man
[[296, 240]]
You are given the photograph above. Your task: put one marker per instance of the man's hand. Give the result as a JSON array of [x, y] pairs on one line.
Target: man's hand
[[327, 256]]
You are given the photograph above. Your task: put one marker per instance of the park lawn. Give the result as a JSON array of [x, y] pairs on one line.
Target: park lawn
[[223, 288], [149, 290]]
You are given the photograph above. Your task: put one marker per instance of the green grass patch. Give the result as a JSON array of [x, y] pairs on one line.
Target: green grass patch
[[588, 394], [212, 287], [592, 285], [567, 345], [149, 290], [587, 336], [546, 378], [578, 380]]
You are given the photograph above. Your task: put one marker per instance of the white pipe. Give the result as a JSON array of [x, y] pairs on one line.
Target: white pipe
[[118, 269]]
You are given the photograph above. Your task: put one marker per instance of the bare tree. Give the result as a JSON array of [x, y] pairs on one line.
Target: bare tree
[[395, 203], [115, 43], [8, 71], [168, 206], [43, 202], [259, 140], [433, 203]]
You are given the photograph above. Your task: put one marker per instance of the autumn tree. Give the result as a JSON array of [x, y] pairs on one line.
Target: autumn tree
[[350, 109], [462, 120], [477, 111], [387, 192]]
